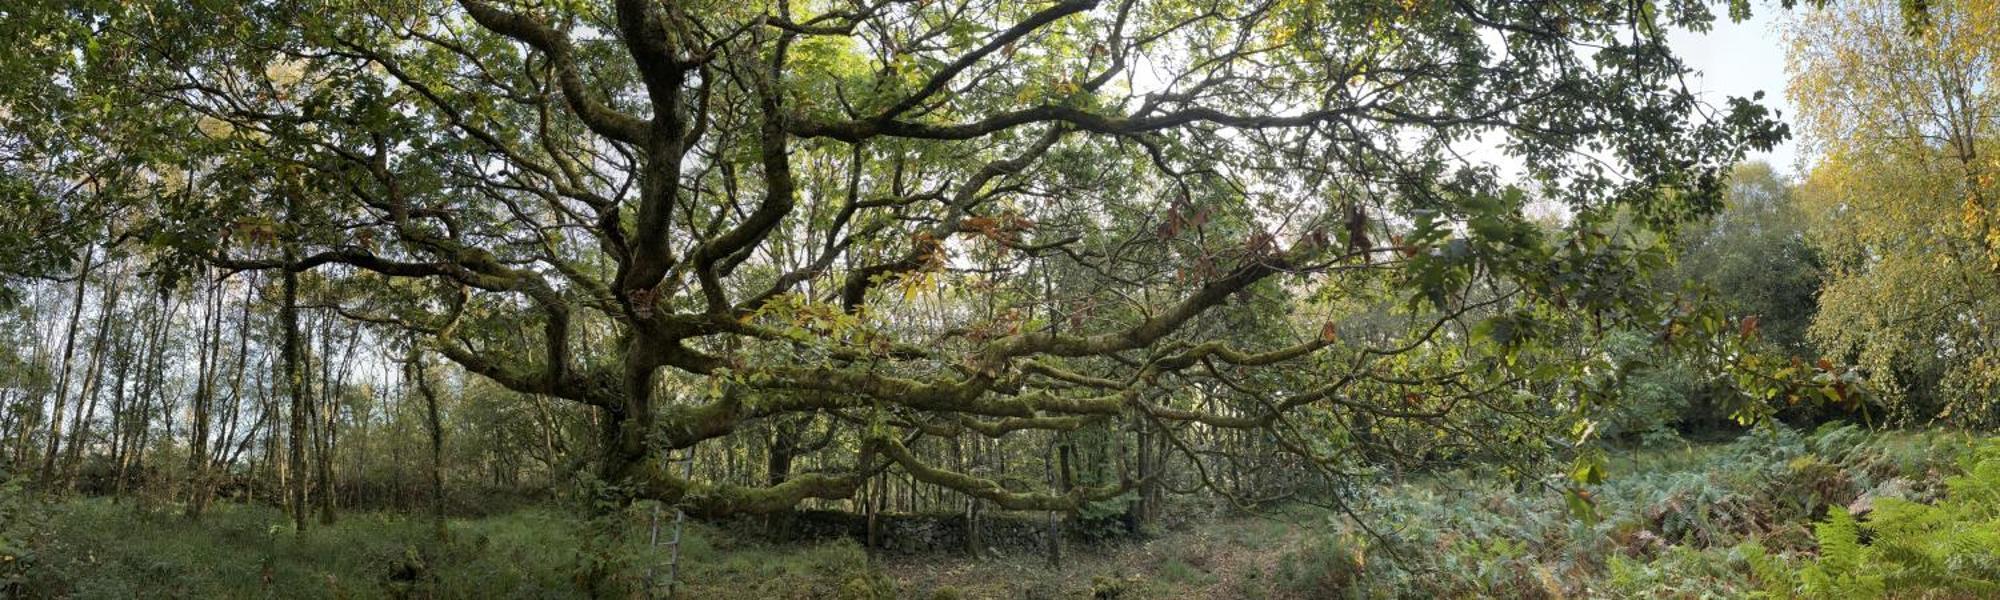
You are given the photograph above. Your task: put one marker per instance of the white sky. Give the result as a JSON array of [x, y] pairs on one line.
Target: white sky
[[1738, 59]]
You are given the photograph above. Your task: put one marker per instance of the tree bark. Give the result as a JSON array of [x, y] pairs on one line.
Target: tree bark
[[202, 406], [138, 417], [436, 427], [322, 418], [93, 382], [69, 354], [295, 383], [223, 455]]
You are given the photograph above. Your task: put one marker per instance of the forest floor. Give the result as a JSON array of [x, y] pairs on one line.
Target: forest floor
[[1688, 520], [1230, 557]]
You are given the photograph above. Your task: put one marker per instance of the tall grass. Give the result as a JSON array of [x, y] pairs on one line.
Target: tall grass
[[94, 548]]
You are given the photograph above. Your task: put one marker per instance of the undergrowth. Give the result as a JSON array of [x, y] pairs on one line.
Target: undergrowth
[[1765, 516], [1836, 513], [93, 548]]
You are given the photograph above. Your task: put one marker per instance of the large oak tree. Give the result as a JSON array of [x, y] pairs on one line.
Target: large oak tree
[[918, 219]]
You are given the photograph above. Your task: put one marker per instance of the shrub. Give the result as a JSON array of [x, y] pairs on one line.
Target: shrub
[[1905, 548], [19, 523], [1730, 520]]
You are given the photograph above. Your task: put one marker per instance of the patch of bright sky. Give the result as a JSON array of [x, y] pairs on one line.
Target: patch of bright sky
[[1731, 59], [1740, 59]]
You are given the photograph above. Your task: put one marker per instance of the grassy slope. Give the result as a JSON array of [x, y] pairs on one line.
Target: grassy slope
[[1672, 523]]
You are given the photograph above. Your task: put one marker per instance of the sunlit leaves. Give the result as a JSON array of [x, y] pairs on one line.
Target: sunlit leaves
[[1902, 197]]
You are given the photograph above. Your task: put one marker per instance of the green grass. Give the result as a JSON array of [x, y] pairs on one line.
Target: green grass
[[97, 549], [93, 548], [1686, 520]]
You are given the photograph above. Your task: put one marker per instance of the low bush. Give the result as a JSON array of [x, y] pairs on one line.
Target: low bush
[[1906, 549], [1725, 520]]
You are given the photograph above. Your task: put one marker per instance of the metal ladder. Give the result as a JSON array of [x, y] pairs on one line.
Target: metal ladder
[[674, 545]]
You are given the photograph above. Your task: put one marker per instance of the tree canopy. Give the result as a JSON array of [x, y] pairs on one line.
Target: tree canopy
[[915, 221], [1901, 201]]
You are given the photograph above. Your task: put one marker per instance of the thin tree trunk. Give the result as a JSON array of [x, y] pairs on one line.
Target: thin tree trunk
[[437, 438], [223, 456], [15, 412], [203, 403], [241, 448], [274, 442], [150, 372], [69, 356], [323, 418], [119, 407], [546, 422], [26, 409], [1061, 477], [7, 407], [288, 316], [93, 378]]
